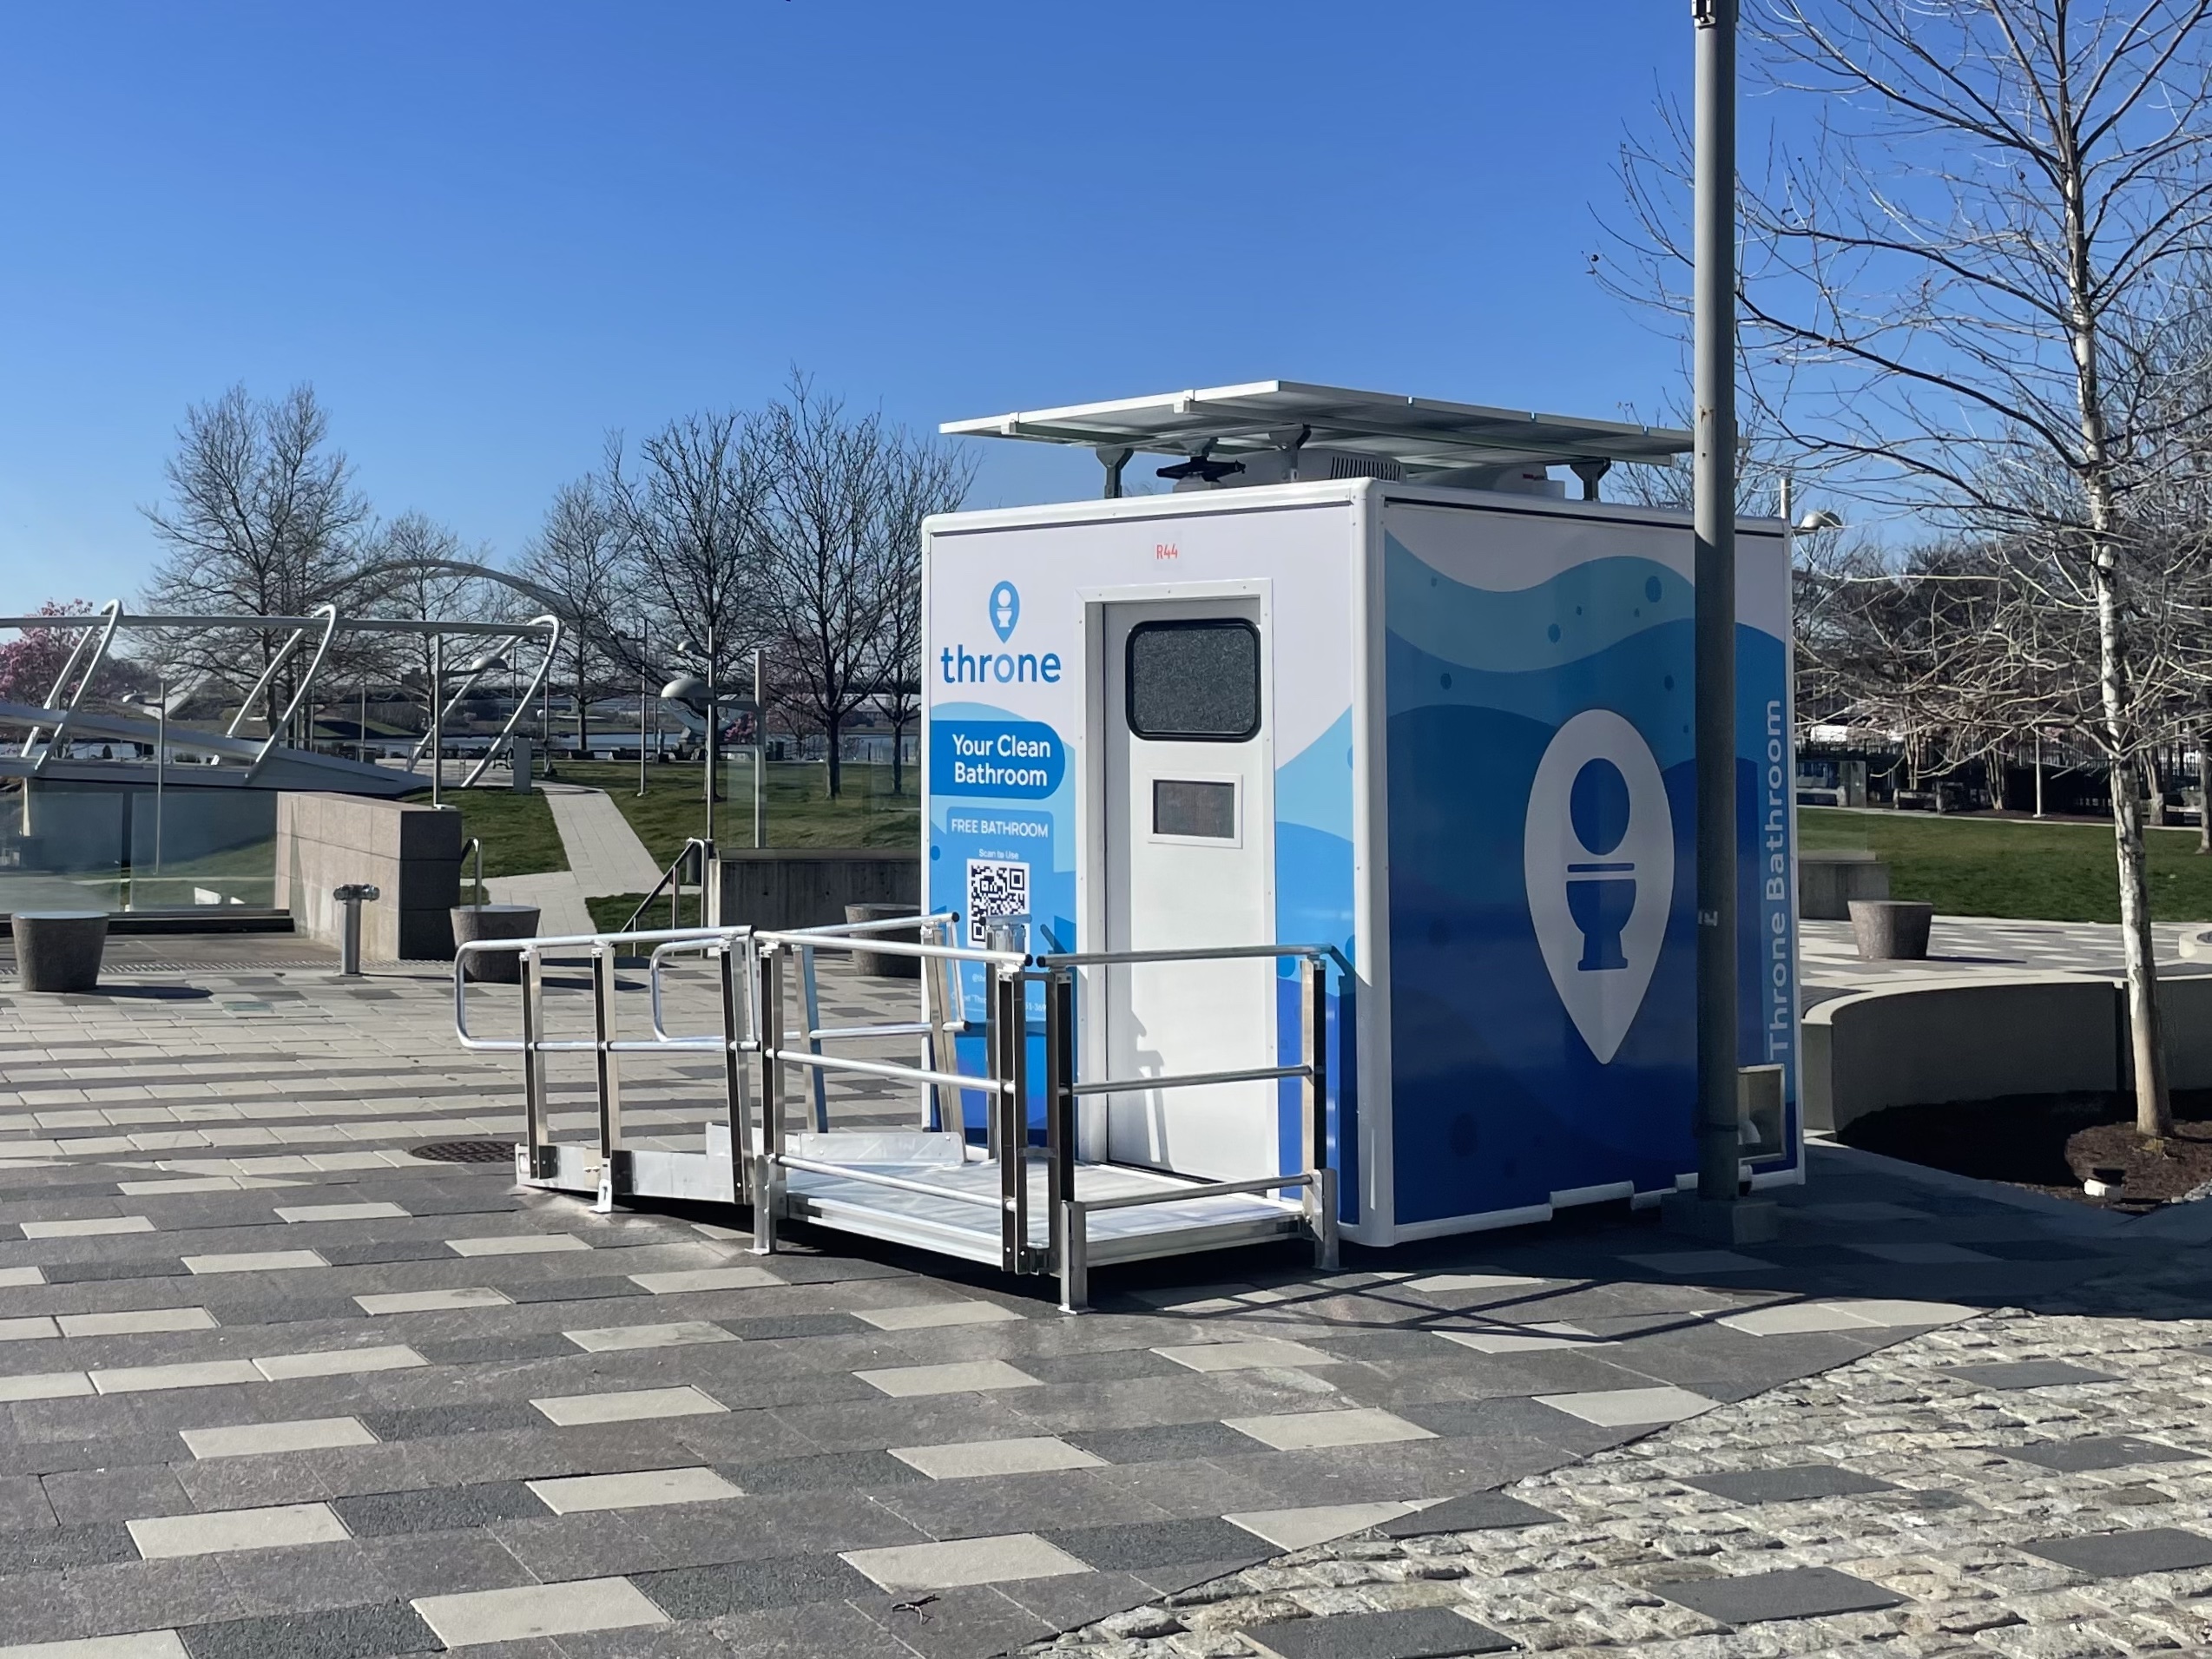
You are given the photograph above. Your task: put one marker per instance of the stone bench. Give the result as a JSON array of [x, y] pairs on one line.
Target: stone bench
[[59, 950]]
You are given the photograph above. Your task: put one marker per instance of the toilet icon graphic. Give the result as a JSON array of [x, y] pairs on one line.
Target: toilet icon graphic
[[1599, 860], [1600, 896], [1005, 610]]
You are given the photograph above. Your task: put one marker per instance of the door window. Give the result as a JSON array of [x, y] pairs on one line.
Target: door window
[[1195, 682], [1198, 808]]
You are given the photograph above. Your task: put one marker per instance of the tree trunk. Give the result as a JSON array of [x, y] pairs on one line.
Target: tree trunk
[[830, 726], [583, 730], [898, 758], [2154, 1108], [2203, 798]]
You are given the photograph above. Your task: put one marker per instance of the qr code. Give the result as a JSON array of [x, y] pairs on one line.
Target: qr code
[[994, 889]]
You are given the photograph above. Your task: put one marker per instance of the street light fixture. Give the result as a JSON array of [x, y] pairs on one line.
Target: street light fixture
[[1816, 521]]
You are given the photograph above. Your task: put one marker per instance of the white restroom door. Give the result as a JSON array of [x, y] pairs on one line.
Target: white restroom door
[[1189, 826]]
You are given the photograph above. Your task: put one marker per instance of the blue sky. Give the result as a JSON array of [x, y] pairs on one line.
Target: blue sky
[[488, 233]]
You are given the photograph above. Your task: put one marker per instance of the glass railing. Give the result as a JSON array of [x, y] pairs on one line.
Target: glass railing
[[72, 845]]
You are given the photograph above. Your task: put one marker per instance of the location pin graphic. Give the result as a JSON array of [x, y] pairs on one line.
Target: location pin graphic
[[1005, 610], [1598, 859]]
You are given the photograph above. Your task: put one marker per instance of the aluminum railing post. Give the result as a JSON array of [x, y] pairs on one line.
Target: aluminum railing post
[[767, 1020], [1017, 1114], [1075, 1264], [614, 1177], [1313, 1055], [530, 1157], [1059, 1113], [812, 1002], [733, 1071]]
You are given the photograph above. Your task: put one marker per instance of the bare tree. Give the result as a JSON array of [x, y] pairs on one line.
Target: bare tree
[[688, 513], [262, 519], [408, 582], [1964, 286], [822, 550], [919, 477], [577, 558]]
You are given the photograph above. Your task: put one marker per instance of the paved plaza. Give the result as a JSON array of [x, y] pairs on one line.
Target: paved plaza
[[271, 1384]]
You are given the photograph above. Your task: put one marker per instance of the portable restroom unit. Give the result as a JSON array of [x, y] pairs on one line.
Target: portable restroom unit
[[1368, 680]]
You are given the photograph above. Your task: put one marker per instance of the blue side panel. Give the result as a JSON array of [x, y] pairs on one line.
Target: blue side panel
[[1313, 905], [1501, 1098]]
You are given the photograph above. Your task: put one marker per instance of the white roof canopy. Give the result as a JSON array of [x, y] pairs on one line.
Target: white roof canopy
[[1423, 435]]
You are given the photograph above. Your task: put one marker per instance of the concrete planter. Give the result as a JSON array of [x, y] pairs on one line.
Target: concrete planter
[[473, 922], [1891, 929], [60, 950], [877, 963]]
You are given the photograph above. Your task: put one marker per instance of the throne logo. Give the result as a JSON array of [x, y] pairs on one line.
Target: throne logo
[[1005, 610], [1598, 857]]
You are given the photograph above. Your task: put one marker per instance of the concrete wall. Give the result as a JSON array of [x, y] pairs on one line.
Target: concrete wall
[[411, 852], [806, 886], [1828, 880], [1931, 1043]]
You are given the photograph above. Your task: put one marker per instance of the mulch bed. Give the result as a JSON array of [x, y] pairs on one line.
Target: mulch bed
[[2050, 1143]]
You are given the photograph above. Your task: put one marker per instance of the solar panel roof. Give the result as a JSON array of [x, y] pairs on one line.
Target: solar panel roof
[[1423, 435]]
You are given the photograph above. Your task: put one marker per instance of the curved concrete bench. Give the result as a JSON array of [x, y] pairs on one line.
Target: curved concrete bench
[[473, 922], [59, 950], [1939, 1041]]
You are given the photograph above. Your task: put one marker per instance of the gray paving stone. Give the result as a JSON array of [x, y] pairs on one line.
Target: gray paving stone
[[1411, 1633], [1134, 1547], [1797, 1484], [437, 1509], [798, 1325], [2027, 1374], [849, 1470], [1476, 1512], [32, 1549], [573, 1290], [745, 1586], [115, 1494], [1168, 1442], [494, 1350], [368, 1632], [425, 1422], [2119, 1554], [2097, 1452], [1793, 1593]]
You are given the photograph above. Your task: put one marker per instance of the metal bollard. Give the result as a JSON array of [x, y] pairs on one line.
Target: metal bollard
[[351, 897]]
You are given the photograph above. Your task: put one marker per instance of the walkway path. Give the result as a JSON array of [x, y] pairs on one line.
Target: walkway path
[[605, 854], [605, 857]]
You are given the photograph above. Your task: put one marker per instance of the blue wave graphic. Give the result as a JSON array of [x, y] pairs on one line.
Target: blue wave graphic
[[1582, 610]]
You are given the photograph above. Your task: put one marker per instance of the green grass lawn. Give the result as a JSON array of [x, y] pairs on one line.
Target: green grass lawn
[[519, 836], [1981, 866], [673, 808]]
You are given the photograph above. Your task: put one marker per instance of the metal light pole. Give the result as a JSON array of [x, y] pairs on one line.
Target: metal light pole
[[714, 750], [760, 758], [1714, 1212], [161, 763], [437, 715]]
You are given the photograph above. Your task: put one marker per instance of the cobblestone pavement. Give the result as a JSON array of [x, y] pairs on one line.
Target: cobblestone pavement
[[2019, 1484], [271, 1384]]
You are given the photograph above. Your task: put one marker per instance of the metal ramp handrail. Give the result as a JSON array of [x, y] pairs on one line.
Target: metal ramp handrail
[[760, 1161], [1069, 1222], [705, 851], [1004, 1085]]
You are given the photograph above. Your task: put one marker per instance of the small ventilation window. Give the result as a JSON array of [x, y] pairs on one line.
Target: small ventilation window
[[1195, 682], [1194, 808], [1353, 466]]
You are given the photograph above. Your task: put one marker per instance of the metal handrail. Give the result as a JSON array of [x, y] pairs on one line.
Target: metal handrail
[[704, 849], [876, 1178], [1217, 954], [751, 1041], [1189, 1080]]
